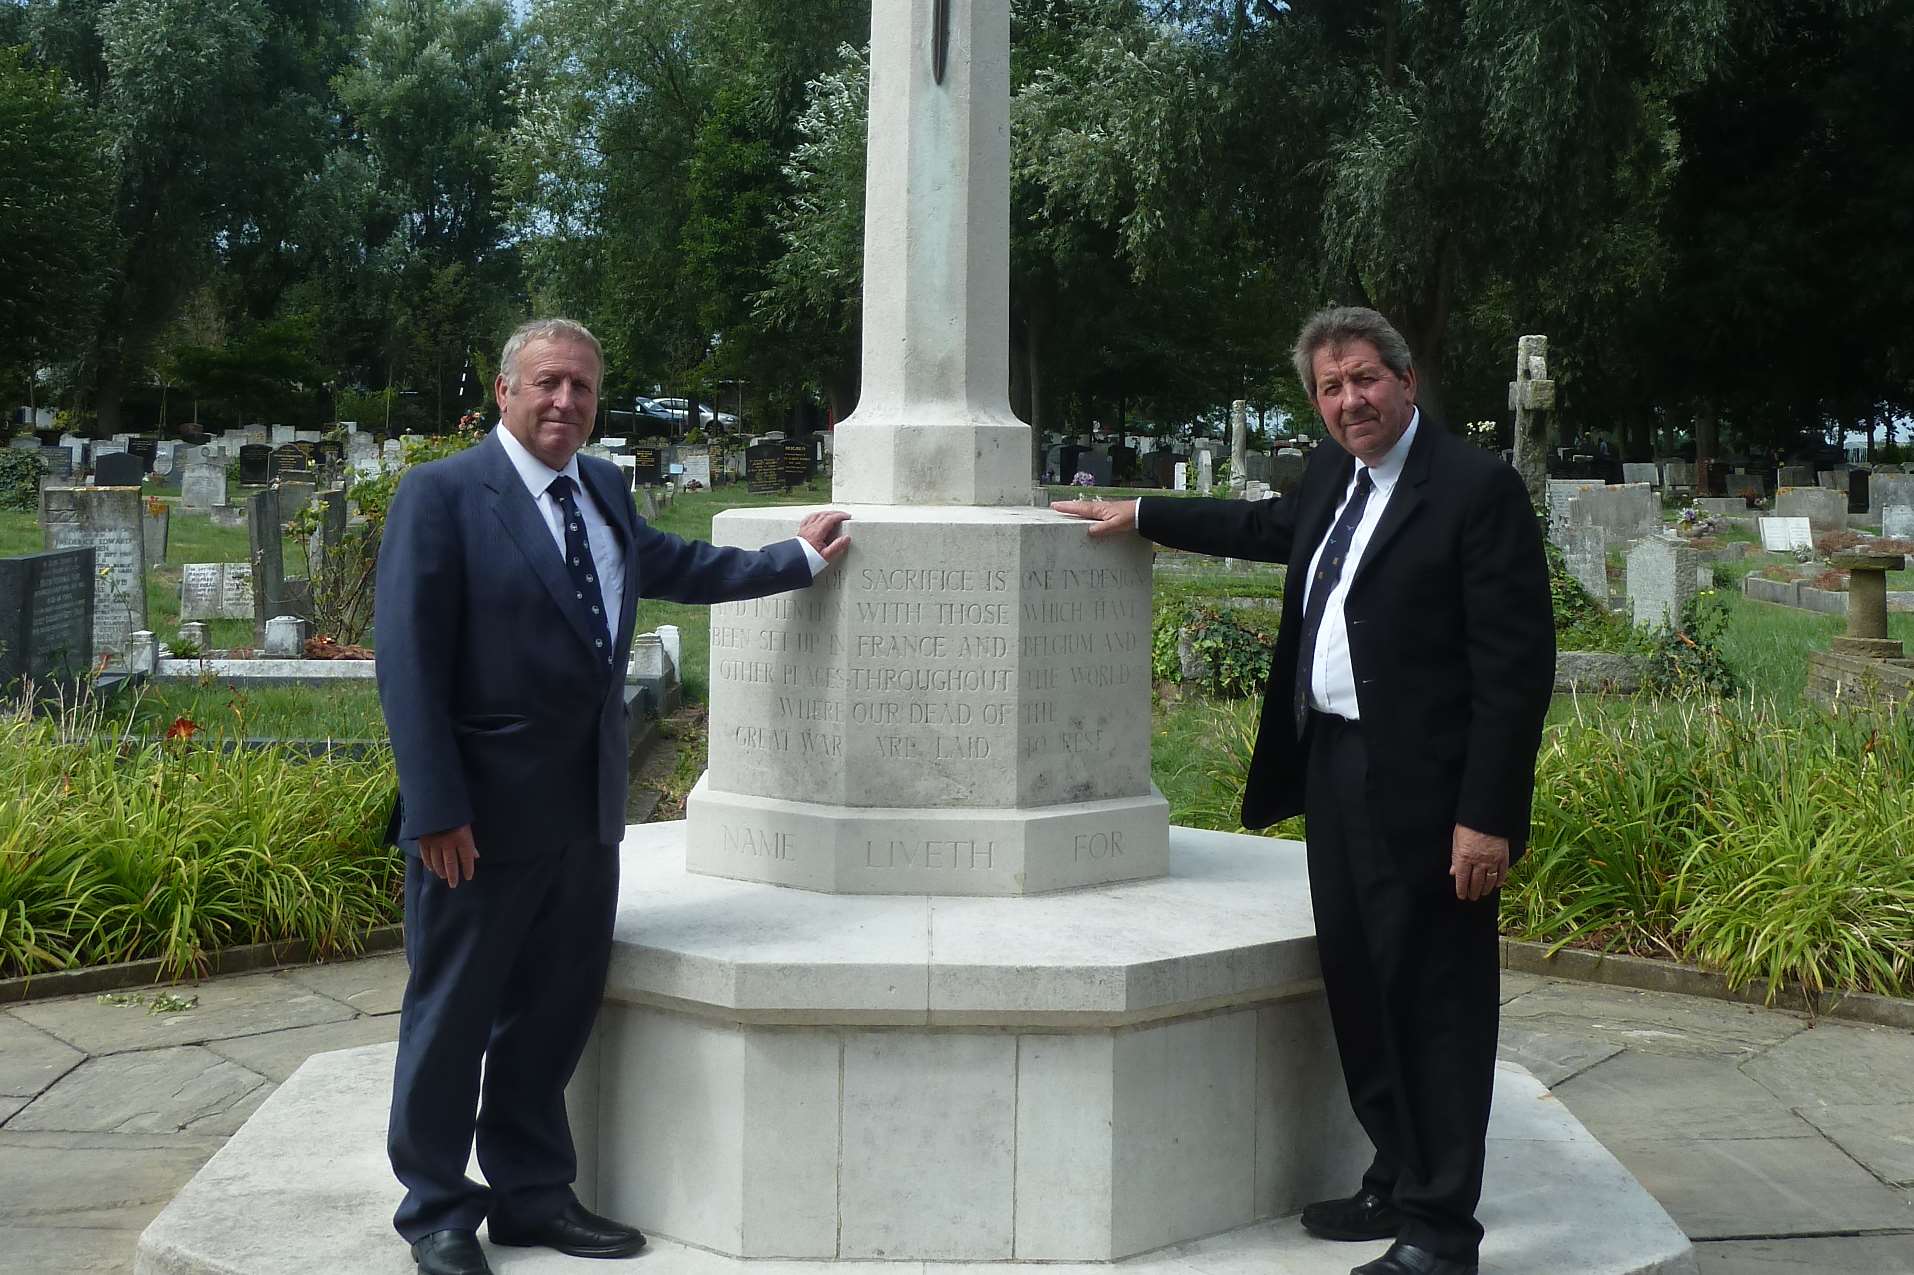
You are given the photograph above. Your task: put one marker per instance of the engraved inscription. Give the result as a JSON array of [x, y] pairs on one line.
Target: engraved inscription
[[756, 843], [952, 856]]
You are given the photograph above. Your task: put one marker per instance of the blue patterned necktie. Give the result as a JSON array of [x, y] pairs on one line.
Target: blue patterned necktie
[[578, 559], [1328, 571]]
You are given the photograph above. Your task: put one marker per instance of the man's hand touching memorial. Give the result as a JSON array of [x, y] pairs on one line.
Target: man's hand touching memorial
[[1112, 517], [823, 531], [450, 855], [1478, 862]]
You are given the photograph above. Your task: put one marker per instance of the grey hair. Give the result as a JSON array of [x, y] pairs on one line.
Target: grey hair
[[1340, 325], [545, 330]]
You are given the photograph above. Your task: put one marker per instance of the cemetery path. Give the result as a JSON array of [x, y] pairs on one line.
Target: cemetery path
[[1780, 1144]]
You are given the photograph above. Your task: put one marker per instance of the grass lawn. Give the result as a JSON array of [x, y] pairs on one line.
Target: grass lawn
[[262, 712]]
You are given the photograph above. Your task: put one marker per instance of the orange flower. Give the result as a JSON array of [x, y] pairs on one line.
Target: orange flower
[[182, 728]]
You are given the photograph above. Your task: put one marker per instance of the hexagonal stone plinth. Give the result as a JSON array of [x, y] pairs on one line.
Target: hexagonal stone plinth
[[959, 706]]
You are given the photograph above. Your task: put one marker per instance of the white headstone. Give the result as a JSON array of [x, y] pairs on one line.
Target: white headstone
[[1642, 473], [1782, 535], [1205, 472], [1897, 522], [202, 487], [1182, 480]]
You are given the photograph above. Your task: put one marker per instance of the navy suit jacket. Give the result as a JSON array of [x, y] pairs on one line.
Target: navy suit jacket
[[503, 713], [1451, 635]]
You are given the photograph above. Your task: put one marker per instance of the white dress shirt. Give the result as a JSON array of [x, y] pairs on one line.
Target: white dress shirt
[[1332, 679], [606, 553]]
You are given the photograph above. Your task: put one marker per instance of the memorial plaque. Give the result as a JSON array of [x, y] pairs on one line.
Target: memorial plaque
[[290, 459], [796, 462], [107, 520], [255, 464], [1779, 535], [648, 465], [216, 591], [764, 468], [46, 616], [118, 469]]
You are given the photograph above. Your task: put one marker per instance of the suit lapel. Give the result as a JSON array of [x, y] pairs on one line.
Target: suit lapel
[[1404, 501], [1320, 502], [516, 510], [616, 504]]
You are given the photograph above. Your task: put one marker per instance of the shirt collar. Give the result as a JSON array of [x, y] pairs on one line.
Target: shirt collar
[[535, 473], [1383, 473]]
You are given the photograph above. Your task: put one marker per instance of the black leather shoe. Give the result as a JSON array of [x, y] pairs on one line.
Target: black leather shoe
[[576, 1232], [1363, 1216], [1407, 1259], [450, 1253]]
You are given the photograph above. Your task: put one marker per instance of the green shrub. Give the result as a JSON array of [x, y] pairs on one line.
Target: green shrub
[[1688, 657], [20, 479], [1235, 643], [116, 850]]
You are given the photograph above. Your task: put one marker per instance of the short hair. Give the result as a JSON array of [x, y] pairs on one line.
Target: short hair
[[545, 330], [1339, 325]]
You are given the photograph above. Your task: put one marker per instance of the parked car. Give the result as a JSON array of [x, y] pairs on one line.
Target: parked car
[[707, 416], [651, 412]]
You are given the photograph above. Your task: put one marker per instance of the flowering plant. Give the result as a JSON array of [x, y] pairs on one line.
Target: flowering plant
[[1084, 478]]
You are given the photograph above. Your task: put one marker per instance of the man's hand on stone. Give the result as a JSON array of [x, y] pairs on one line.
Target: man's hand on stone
[[1112, 517], [450, 855], [1478, 862], [823, 531]]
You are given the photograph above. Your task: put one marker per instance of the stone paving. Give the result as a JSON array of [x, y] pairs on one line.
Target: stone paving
[[1778, 1143]]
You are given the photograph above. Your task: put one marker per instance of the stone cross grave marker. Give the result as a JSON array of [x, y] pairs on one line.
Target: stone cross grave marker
[[1532, 399]]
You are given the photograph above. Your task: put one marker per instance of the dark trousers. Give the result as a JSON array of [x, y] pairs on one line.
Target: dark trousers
[[509, 969], [1410, 973]]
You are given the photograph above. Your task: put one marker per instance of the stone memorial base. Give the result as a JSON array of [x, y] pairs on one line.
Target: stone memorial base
[[1139, 1072]]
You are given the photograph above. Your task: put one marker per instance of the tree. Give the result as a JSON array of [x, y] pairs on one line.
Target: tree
[[55, 223]]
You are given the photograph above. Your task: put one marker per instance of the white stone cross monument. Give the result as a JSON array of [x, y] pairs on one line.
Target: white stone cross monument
[[961, 706]]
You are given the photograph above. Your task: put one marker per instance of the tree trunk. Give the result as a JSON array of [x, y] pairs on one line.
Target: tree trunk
[[1706, 443], [108, 388]]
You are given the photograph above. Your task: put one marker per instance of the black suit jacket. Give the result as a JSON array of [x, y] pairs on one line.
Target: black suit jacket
[[1451, 634], [502, 709]]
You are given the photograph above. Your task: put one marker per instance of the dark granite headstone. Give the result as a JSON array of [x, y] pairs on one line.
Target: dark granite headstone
[[1857, 491], [289, 460], [648, 465], [255, 464], [118, 469], [764, 468], [268, 559], [46, 616], [147, 449], [796, 461]]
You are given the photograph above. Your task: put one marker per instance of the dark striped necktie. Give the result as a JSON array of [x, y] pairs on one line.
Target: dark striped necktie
[[1329, 567]]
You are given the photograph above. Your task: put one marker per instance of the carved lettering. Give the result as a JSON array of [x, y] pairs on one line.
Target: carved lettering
[[1099, 845], [758, 843], [969, 855]]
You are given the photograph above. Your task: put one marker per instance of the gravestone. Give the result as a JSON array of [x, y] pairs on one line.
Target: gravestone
[[1746, 486], [1897, 522], [1585, 554], [263, 528], [796, 461], [155, 521], [647, 466], [255, 465], [362, 454], [1823, 507], [1096, 464], [763, 468], [46, 617], [283, 435], [202, 487], [392, 454], [108, 521], [1532, 399], [1795, 476], [229, 516], [118, 469], [286, 637], [1182, 478], [294, 497], [1679, 474], [147, 449], [1884, 489], [1783, 535], [1286, 470], [57, 462], [1238, 446], [1661, 581], [291, 461], [697, 465], [163, 464], [1633, 472], [1832, 479], [1858, 491], [216, 591]]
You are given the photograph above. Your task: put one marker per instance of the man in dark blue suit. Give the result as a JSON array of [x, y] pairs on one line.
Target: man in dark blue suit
[[508, 580]]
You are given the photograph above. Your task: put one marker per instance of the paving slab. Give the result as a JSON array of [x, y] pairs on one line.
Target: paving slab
[[1653, 1022], [242, 1006], [1518, 983], [30, 1061], [1763, 1187], [9, 1105], [1875, 1255], [77, 1202], [371, 985], [1655, 1096], [1550, 1056], [186, 1089], [1840, 1064], [276, 1055], [1880, 1136]]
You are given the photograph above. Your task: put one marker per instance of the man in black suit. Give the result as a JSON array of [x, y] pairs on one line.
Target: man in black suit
[[1403, 714], [508, 580]]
